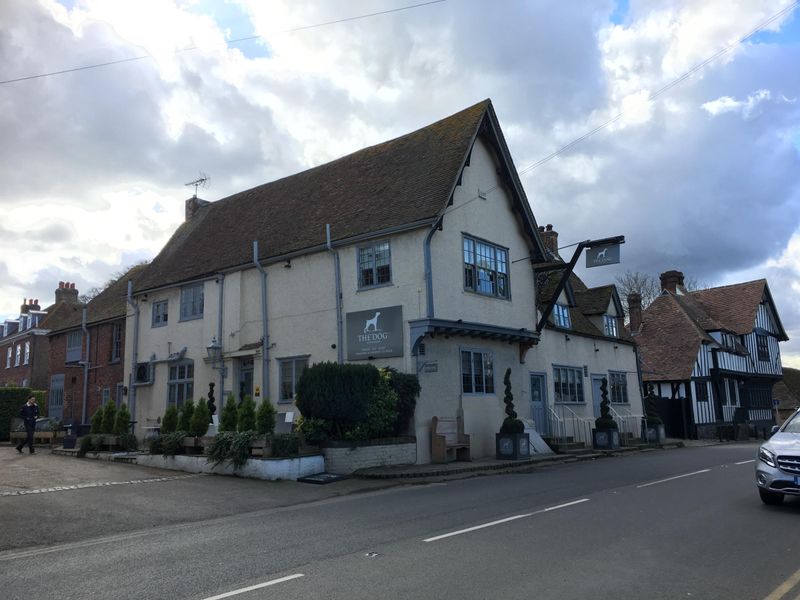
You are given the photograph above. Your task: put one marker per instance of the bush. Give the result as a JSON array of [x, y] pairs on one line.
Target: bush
[[511, 424], [230, 415], [198, 426], [185, 416], [84, 446], [97, 422], [128, 442], [232, 446], [122, 424], [109, 417], [285, 445], [155, 445], [169, 423], [220, 448], [265, 418], [315, 431], [246, 415], [11, 401], [407, 388], [172, 443]]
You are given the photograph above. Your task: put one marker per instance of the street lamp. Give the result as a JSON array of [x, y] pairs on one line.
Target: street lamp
[[214, 350]]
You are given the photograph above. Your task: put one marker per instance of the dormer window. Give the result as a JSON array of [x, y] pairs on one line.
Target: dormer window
[[610, 326], [561, 316]]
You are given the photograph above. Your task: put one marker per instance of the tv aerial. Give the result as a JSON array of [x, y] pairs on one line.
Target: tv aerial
[[200, 182]]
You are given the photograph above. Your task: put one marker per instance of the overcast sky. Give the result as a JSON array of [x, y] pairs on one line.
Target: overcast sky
[[705, 178]]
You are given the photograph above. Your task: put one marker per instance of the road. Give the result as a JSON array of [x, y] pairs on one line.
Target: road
[[666, 524]]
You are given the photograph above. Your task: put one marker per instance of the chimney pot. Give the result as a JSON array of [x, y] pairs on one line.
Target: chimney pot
[[61, 285], [670, 280], [541, 227], [550, 241], [549, 227]]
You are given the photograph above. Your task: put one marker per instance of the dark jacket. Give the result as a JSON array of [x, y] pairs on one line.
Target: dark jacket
[[29, 414]]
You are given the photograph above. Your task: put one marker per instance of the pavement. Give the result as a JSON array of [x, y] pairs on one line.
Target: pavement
[[49, 469]]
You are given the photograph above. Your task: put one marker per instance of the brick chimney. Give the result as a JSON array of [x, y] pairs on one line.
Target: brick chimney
[[23, 310], [670, 280], [549, 239], [66, 292], [194, 204], [635, 311]]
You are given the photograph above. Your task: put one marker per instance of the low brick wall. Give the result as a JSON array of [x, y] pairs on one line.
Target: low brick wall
[[343, 459]]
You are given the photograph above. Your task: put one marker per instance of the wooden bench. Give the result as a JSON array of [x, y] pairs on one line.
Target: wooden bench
[[448, 440]]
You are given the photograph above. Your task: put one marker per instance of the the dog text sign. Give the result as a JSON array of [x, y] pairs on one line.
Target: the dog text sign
[[599, 256], [375, 333]]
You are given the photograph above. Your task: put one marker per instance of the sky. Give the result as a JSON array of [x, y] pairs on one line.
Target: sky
[[703, 177]]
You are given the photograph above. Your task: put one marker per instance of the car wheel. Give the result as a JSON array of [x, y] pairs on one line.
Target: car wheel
[[771, 498]]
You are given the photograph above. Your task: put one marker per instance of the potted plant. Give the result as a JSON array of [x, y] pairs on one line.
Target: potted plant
[[654, 427], [605, 435], [512, 442]]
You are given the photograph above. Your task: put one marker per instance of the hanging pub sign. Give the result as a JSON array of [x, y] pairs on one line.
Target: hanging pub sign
[[375, 333], [599, 256]]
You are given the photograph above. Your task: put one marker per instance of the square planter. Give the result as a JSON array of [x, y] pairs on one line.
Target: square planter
[[605, 439], [654, 434], [512, 446]]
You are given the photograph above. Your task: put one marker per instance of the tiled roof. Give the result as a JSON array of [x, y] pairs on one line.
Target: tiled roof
[[595, 301], [735, 306], [397, 183], [59, 314], [108, 304]]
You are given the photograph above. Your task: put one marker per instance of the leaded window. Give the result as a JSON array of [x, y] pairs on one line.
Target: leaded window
[[180, 386], [477, 372], [160, 313], [762, 345], [561, 316], [701, 390], [610, 326], [374, 265], [486, 268], [192, 302], [116, 341], [619, 388], [568, 384]]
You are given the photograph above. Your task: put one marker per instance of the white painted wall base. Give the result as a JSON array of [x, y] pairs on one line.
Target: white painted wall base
[[255, 468], [345, 460]]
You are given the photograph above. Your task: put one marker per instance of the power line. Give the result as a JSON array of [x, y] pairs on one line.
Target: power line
[[229, 42]]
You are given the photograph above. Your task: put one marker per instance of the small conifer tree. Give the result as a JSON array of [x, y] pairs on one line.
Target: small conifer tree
[[185, 417], [109, 417], [511, 424], [198, 425], [170, 421], [97, 422], [122, 424], [247, 415], [265, 418], [230, 415], [605, 420]]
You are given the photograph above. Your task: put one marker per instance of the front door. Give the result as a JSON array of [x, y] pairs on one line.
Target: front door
[[245, 378], [539, 404], [55, 405], [597, 397]]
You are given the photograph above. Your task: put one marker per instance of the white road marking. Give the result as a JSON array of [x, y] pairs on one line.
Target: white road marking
[[255, 587], [746, 462], [506, 520], [81, 486], [644, 485]]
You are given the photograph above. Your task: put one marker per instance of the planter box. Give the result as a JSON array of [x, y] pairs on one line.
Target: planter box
[[512, 446], [605, 439], [343, 458], [654, 434], [256, 468]]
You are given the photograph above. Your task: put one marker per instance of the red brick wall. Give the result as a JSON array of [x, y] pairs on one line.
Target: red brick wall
[[16, 376], [103, 373]]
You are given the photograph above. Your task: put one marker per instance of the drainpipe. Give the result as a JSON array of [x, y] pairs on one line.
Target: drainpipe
[[265, 333], [429, 269], [135, 350], [85, 365], [337, 276], [221, 283]]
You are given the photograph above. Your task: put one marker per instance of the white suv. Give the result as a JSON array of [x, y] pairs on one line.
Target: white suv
[[778, 465]]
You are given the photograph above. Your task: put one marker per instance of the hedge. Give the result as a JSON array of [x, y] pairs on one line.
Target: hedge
[[11, 401]]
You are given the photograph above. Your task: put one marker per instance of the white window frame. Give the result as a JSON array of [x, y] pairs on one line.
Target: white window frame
[[572, 387], [180, 382], [367, 262], [9, 354], [160, 318], [294, 362], [17, 355], [472, 382], [561, 316], [610, 326], [74, 346], [491, 268], [27, 354], [106, 396], [116, 342], [192, 302], [618, 387]]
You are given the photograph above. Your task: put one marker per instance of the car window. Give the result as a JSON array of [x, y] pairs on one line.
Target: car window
[[793, 424]]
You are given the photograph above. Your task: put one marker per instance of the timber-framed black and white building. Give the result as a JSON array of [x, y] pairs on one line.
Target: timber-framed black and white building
[[712, 355]]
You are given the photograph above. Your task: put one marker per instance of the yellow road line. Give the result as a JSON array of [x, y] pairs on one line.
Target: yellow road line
[[785, 587]]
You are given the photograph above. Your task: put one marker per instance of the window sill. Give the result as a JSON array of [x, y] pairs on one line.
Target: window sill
[[367, 288], [558, 402], [195, 318], [114, 361], [479, 394], [488, 296], [157, 325]]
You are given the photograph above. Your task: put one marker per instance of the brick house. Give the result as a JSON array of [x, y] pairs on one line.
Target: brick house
[[24, 345], [86, 366]]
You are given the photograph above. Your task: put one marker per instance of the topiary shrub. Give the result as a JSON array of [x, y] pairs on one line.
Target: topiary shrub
[[285, 445], [650, 405], [97, 422], [407, 388], [122, 423], [128, 442], [604, 421], [84, 446], [265, 418], [185, 416], [246, 415], [169, 424], [230, 415], [198, 425], [109, 417], [511, 424]]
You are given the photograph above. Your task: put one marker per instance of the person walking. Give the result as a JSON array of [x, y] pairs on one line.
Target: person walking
[[29, 413]]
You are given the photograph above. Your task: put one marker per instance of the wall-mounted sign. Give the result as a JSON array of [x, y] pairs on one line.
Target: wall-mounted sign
[[599, 256], [375, 333], [431, 367]]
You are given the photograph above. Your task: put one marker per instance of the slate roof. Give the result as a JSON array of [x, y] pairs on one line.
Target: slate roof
[[108, 304], [398, 183], [675, 325]]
